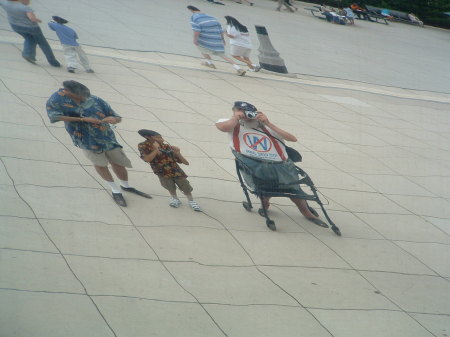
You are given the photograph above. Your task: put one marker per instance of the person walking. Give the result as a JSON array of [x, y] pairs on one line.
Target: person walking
[[240, 42], [284, 3], [25, 23], [68, 38], [209, 38], [164, 159], [87, 119]]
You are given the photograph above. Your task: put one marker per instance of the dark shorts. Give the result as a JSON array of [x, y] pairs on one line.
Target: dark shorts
[[171, 184]]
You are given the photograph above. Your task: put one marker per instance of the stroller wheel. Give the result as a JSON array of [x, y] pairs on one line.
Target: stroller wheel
[[336, 230], [247, 206], [271, 225]]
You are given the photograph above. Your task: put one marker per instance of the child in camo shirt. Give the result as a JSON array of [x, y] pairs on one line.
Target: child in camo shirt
[[164, 160]]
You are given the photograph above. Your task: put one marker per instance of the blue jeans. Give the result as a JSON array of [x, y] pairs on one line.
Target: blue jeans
[[33, 36]]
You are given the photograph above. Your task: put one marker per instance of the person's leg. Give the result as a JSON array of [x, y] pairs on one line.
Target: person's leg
[[121, 173], [29, 43], [266, 202], [45, 47], [280, 3], [239, 70], [242, 59], [185, 187], [83, 58], [71, 57], [303, 207]]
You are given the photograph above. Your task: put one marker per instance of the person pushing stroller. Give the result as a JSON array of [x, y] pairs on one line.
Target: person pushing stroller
[[258, 144], [164, 159]]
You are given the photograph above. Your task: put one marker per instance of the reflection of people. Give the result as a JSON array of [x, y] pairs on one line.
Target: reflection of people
[[208, 37], [348, 13], [285, 4], [240, 43], [415, 19], [25, 23], [87, 119], [257, 143], [68, 38], [359, 11], [164, 159], [386, 13]]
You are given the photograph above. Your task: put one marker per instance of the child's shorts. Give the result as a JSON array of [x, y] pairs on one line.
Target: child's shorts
[[171, 183]]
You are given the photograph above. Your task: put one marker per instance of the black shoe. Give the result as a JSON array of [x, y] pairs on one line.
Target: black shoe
[[318, 222], [118, 198], [29, 59], [135, 191], [56, 65], [71, 70]]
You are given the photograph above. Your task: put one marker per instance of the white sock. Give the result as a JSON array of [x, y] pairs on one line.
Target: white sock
[[209, 61], [124, 183], [114, 187], [254, 65], [236, 67]]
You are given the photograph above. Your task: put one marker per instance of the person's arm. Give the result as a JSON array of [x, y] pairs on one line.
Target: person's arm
[[228, 125], [33, 18], [177, 152], [150, 156], [111, 116], [284, 134], [196, 35], [223, 38]]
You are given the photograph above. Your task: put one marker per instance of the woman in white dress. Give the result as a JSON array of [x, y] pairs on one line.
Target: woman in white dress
[[240, 42]]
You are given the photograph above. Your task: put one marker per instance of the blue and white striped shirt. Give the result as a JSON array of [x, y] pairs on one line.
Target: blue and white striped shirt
[[210, 31]]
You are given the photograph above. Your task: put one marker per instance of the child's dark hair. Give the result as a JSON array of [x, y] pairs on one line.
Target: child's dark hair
[[236, 24]]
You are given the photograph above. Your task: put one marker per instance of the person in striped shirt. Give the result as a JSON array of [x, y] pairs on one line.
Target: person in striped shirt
[[209, 38]]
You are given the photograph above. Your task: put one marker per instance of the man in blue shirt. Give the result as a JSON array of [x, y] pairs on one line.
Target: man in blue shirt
[[209, 38], [24, 22], [68, 38], [87, 119]]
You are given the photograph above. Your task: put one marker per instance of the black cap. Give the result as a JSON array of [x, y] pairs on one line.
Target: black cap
[[59, 19], [148, 133], [244, 106]]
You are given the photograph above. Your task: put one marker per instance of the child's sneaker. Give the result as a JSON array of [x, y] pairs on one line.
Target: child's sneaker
[[209, 65], [195, 206], [175, 203]]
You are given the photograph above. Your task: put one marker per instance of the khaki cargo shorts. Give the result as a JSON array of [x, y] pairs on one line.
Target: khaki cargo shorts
[[171, 183], [207, 51], [115, 156]]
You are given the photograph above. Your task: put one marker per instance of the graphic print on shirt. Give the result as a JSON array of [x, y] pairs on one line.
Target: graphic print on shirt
[[257, 142]]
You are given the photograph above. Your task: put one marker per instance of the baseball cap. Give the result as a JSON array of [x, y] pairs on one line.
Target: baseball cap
[[244, 106], [148, 133]]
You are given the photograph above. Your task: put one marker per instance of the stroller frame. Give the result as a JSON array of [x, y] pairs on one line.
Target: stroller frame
[[305, 179]]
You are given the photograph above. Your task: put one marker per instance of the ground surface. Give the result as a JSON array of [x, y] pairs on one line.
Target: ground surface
[[72, 263]]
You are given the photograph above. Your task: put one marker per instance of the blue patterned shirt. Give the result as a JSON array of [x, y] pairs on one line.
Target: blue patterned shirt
[[210, 31], [88, 136]]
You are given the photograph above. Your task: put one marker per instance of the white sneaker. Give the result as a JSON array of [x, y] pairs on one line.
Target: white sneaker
[[257, 68], [209, 65], [195, 206], [175, 203]]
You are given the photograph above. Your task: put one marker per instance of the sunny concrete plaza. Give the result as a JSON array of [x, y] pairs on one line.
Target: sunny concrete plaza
[[75, 264]]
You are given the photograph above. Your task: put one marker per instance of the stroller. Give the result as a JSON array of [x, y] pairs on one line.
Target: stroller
[[247, 180]]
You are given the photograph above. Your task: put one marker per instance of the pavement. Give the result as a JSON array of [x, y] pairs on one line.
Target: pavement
[[73, 263]]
